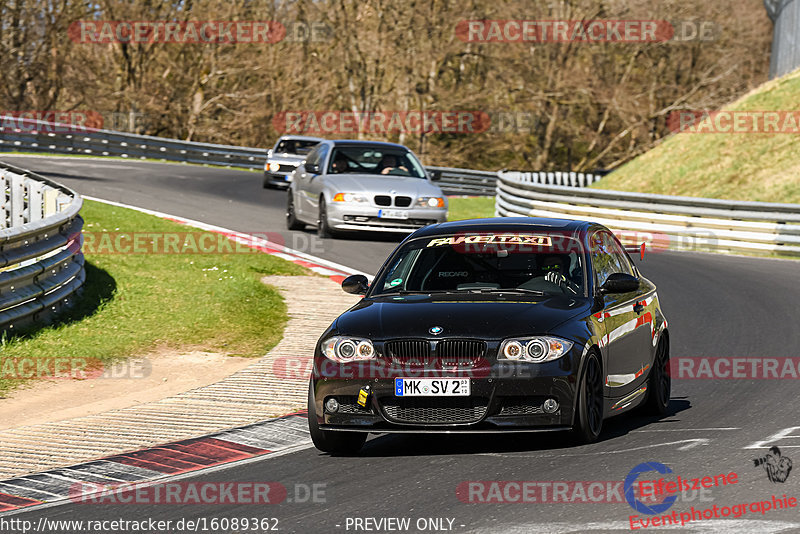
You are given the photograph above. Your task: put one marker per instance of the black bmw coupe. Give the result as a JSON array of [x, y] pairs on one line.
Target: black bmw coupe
[[492, 325]]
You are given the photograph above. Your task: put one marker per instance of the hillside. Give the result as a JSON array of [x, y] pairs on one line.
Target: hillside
[[740, 166]]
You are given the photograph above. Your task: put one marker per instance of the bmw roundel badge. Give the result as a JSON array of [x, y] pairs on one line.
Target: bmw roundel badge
[[436, 330]]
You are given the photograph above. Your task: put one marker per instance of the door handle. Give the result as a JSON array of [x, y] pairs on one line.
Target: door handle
[[638, 307]]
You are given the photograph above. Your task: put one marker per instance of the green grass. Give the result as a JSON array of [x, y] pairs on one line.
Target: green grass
[[470, 208], [134, 303], [120, 158], [742, 166]]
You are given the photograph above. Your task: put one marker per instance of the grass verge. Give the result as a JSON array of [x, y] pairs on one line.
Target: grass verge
[[470, 208], [132, 303], [741, 166]]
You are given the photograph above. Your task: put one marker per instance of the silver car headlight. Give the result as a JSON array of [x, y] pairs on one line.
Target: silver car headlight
[[349, 197], [345, 349], [536, 349], [430, 202]]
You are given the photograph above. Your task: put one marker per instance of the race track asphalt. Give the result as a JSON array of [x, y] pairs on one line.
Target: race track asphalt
[[717, 306]]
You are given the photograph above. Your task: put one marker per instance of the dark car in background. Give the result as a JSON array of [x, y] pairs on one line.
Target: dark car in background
[[492, 325], [289, 152]]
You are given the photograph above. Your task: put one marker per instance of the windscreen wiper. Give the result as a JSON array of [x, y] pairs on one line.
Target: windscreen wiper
[[504, 290]]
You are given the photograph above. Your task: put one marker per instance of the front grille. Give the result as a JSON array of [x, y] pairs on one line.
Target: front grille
[[402, 202], [460, 351], [286, 168], [429, 411], [383, 200], [522, 406], [447, 352], [409, 352]]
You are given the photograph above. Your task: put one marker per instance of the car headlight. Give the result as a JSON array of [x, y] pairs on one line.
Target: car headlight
[[534, 349], [430, 202], [349, 197], [274, 167], [344, 349]]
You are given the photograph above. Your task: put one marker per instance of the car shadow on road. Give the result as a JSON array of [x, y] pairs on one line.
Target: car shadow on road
[[397, 445]]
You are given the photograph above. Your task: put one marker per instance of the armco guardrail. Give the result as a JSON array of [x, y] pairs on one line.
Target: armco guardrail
[[681, 223], [41, 264], [465, 181], [33, 135], [42, 136]]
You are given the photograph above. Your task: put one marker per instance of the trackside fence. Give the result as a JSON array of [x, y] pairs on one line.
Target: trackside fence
[[679, 223]]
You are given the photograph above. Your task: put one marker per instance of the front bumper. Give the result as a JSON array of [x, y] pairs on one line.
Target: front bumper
[[355, 216], [278, 179], [507, 397]]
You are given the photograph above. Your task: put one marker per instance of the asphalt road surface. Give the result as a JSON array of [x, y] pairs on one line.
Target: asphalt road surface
[[717, 306]]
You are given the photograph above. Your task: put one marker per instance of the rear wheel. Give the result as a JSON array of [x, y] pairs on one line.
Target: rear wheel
[[589, 419], [332, 442], [292, 223], [659, 383]]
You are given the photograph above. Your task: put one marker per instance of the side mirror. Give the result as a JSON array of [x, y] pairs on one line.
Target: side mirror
[[435, 175], [355, 284], [313, 168], [620, 283]]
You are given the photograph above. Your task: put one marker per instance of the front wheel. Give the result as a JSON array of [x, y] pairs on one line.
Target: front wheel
[[323, 229], [332, 442], [659, 383], [589, 419], [292, 222]]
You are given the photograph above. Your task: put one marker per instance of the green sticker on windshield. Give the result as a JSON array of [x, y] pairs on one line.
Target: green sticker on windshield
[[396, 282]]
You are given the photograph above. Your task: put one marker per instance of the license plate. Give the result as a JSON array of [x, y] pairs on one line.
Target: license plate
[[287, 176], [392, 214], [431, 387]]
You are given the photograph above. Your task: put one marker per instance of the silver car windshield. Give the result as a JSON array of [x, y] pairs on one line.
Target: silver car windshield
[[486, 263], [374, 160], [295, 146]]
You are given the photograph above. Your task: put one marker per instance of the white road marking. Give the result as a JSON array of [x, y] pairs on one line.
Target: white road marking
[[686, 429], [689, 444]]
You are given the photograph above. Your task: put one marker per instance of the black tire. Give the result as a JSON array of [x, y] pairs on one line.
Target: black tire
[[332, 442], [659, 382], [323, 230], [292, 223], [267, 184], [589, 417]]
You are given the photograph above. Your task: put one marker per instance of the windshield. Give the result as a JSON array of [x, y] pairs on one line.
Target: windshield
[[375, 160], [295, 146], [525, 263]]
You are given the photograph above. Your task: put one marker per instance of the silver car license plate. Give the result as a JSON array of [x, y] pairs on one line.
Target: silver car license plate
[[392, 214]]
